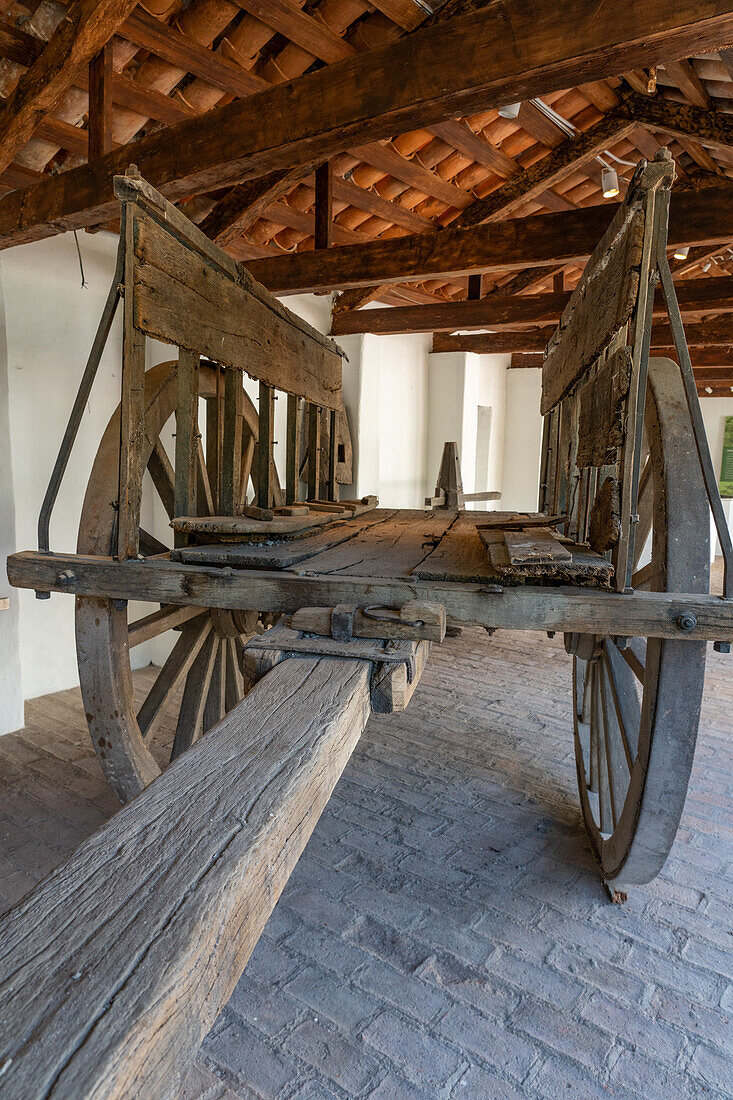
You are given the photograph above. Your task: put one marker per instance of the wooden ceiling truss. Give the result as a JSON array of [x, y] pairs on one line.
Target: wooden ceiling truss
[[289, 128]]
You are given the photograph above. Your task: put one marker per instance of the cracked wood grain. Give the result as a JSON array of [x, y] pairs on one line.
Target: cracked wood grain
[[114, 968]]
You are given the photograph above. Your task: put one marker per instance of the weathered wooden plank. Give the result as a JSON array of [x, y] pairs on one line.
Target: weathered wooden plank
[[181, 299], [602, 404], [649, 614], [263, 523], [599, 308], [604, 529], [115, 967], [535, 546], [393, 548], [280, 555], [377, 94], [581, 567]]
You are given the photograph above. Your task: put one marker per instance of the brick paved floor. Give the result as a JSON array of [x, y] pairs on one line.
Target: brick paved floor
[[444, 934]]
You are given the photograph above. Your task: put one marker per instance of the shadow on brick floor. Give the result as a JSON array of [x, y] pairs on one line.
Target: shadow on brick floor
[[445, 934]]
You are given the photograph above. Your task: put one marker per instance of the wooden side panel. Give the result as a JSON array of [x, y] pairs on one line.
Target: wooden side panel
[[602, 303], [602, 411], [181, 298]]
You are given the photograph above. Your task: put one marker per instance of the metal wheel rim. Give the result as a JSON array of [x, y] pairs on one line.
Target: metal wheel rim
[[102, 625], [644, 814]]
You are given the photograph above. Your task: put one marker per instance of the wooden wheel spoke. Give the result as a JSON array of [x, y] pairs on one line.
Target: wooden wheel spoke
[[642, 578], [593, 720], [635, 657], [625, 700], [605, 806], [198, 681], [204, 495], [215, 707], [151, 547], [163, 477], [645, 511], [248, 450], [171, 675], [152, 626], [619, 761], [234, 680]]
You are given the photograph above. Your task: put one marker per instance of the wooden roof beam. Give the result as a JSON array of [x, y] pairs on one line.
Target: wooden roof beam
[[84, 29], [372, 96], [713, 129], [701, 217], [702, 334], [501, 311]]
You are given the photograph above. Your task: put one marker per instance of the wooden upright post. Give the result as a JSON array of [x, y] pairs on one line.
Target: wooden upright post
[[100, 103], [324, 206], [314, 451], [332, 453], [292, 450], [215, 437], [232, 441], [187, 438], [264, 446], [132, 415], [474, 287]]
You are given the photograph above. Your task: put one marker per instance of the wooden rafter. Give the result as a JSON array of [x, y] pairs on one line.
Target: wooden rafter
[[702, 334], [84, 29], [547, 239], [501, 311], [565, 158], [370, 96]]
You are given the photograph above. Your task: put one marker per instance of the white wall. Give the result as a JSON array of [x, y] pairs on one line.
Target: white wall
[[386, 397], [461, 387], [714, 412], [522, 440]]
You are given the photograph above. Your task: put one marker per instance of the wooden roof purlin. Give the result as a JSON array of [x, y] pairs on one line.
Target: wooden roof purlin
[[229, 109]]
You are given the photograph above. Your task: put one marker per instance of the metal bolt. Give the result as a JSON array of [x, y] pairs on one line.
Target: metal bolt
[[494, 589], [721, 647], [550, 633], [66, 576], [686, 622]]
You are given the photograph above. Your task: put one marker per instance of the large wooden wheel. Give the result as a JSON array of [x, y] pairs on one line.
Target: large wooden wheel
[[201, 679], [637, 700]]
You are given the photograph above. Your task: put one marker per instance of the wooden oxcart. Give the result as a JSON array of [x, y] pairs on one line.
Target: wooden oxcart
[[617, 558]]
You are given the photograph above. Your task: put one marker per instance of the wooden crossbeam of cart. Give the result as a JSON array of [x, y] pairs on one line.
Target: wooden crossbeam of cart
[[527, 607]]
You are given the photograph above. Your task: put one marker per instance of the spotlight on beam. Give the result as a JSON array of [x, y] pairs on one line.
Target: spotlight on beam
[[609, 183], [510, 110], [682, 253]]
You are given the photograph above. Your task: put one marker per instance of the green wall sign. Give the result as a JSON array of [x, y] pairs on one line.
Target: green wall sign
[[726, 463]]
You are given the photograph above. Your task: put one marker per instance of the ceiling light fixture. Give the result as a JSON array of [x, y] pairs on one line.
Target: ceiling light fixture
[[682, 253], [510, 110], [609, 183]]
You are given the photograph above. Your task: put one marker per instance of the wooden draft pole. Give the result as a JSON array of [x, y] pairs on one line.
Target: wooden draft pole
[[115, 967]]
